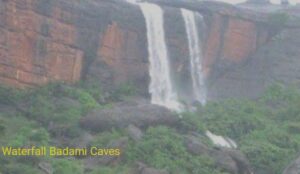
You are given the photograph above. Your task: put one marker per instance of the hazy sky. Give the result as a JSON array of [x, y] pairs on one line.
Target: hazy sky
[[273, 1]]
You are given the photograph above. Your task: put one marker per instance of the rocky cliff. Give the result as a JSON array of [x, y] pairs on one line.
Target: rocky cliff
[[105, 41], [37, 43], [44, 41]]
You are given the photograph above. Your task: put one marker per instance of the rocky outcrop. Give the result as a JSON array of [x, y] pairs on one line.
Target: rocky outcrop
[[37, 44], [141, 115], [230, 41], [275, 63], [121, 56], [105, 42], [293, 168], [229, 160], [44, 41], [134, 133]]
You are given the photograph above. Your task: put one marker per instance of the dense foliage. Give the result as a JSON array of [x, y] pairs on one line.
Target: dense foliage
[[267, 130]]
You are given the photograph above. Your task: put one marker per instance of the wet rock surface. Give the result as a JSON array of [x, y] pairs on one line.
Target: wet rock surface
[[141, 115]]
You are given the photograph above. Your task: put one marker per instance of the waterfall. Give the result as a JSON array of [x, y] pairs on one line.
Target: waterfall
[[161, 89], [195, 54]]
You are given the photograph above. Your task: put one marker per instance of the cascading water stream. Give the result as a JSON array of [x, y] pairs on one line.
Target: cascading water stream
[[161, 89], [195, 51]]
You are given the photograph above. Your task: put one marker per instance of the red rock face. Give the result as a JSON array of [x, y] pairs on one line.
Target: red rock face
[[213, 43], [40, 44], [240, 39], [120, 50], [36, 49], [232, 40]]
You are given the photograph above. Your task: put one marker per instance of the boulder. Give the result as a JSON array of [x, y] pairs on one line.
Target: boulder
[[239, 158], [226, 159], [293, 168], [231, 161], [195, 146], [92, 162], [224, 162], [46, 167], [121, 144], [122, 116], [134, 133], [82, 141]]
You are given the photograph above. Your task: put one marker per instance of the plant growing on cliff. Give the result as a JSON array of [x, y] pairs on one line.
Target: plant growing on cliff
[[163, 148], [278, 20], [123, 91], [67, 167]]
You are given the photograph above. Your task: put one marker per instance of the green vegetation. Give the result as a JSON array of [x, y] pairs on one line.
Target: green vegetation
[[278, 19], [163, 148], [267, 130], [66, 167], [123, 92]]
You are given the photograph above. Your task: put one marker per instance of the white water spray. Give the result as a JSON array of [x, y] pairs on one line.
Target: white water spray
[[195, 51], [161, 89]]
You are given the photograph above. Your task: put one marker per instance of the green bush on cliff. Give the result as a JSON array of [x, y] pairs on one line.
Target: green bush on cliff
[[67, 167], [114, 170], [28, 135], [278, 19], [233, 118], [163, 148], [123, 91], [266, 130], [60, 107], [9, 95], [20, 169], [103, 138]]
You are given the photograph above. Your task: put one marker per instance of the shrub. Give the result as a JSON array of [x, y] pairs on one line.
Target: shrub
[[61, 106], [192, 121], [278, 19], [9, 95], [233, 118], [66, 167], [29, 135], [87, 101], [102, 139], [108, 170], [123, 91], [163, 148], [20, 168], [266, 157]]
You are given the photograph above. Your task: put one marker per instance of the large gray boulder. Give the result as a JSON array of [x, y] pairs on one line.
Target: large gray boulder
[[229, 160], [141, 115], [195, 146]]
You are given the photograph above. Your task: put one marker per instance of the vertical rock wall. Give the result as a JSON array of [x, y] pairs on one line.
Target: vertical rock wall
[[36, 48], [105, 42]]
